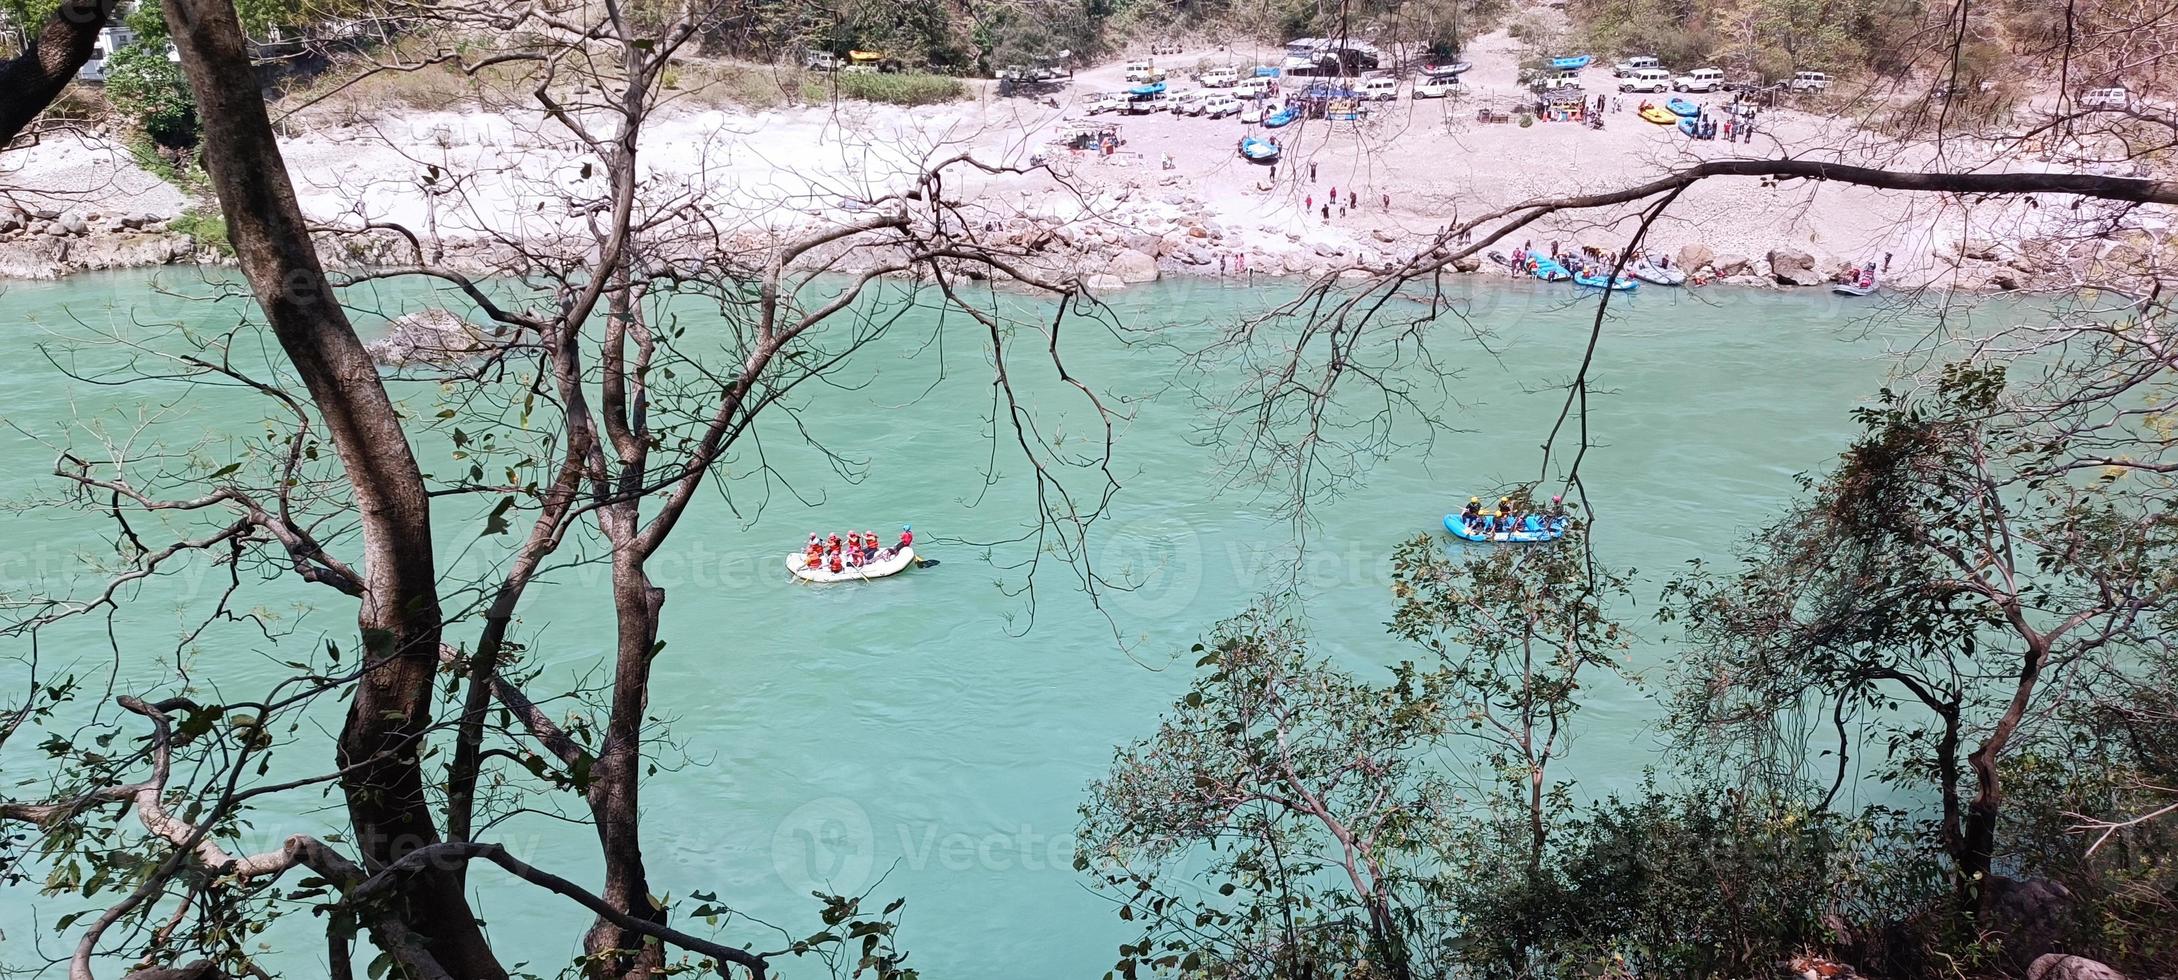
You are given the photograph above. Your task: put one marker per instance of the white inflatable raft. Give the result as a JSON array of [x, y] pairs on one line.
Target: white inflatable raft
[[892, 564]]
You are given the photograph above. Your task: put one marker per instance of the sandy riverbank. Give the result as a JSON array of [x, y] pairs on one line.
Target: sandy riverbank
[[1411, 169]]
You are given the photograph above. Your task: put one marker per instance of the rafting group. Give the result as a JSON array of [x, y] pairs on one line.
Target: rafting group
[[860, 548], [1509, 523]]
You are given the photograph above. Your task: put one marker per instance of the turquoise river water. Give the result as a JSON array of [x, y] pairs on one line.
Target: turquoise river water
[[930, 736]]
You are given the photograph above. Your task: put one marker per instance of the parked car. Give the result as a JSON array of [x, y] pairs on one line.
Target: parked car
[[1699, 80], [2105, 98], [1144, 72], [1100, 104], [1379, 89], [1646, 80], [1556, 83], [1634, 65], [822, 61], [1219, 78], [1220, 106], [1809, 81], [1436, 87], [1189, 103], [1251, 113], [1247, 87]]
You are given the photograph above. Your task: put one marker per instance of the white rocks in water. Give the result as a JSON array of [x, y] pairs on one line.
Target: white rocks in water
[[1792, 267], [2059, 966], [433, 336], [1695, 256], [1103, 284], [1132, 266]]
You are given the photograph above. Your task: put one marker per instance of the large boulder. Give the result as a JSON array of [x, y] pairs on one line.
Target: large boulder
[[1468, 263], [1132, 266], [127, 251], [1729, 265], [2058, 966], [430, 337], [1694, 256], [72, 224], [1792, 267]]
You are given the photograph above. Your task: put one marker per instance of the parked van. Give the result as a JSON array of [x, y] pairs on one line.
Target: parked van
[[1143, 71], [1220, 106], [1636, 65], [1646, 80], [1436, 86], [1219, 78], [1699, 80], [1809, 81], [1379, 89], [2105, 98], [1250, 87]]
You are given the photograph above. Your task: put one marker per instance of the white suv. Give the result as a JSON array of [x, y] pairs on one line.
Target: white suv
[[2105, 98], [1220, 106], [1436, 87], [1635, 65], [1646, 80], [1219, 78], [1699, 80], [1809, 81]]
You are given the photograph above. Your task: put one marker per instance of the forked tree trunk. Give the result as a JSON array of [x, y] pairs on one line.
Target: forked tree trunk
[[399, 619]]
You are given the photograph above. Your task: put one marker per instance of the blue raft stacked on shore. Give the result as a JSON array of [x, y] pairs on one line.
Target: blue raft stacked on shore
[[1531, 531]]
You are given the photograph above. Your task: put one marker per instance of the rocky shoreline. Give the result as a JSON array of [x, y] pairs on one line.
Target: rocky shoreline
[[1127, 239]]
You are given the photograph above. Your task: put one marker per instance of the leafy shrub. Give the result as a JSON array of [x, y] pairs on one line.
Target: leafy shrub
[[908, 89], [150, 90], [209, 228]]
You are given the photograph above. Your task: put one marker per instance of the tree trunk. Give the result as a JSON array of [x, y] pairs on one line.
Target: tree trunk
[[399, 619], [615, 783], [30, 81]]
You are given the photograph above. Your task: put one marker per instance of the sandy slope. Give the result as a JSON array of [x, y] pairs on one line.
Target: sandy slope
[[483, 176]]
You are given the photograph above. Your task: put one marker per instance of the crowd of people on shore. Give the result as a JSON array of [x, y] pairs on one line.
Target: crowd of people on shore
[[859, 548]]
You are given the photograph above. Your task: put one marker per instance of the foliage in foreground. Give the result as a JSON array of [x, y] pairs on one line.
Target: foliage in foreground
[[1926, 728]]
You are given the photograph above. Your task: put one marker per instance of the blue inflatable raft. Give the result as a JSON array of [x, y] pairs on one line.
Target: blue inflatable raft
[[1682, 107], [1548, 270], [1575, 63], [1622, 284], [1258, 150], [1281, 117], [1531, 532]]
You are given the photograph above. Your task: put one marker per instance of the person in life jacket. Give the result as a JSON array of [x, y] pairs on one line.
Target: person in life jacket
[[907, 537], [837, 565], [815, 550], [1472, 515], [870, 551], [831, 543]]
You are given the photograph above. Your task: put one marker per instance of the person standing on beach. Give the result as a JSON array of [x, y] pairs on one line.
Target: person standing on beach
[[1327, 214], [1387, 201], [1308, 201], [1311, 171], [1334, 193]]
